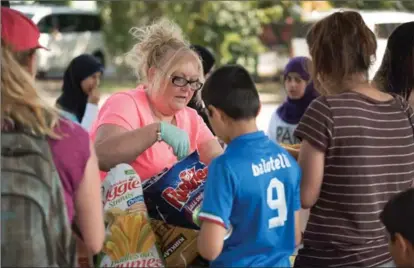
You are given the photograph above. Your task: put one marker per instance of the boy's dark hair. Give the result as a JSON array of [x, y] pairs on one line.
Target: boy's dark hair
[[398, 215], [341, 45], [231, 89], [207, 58]]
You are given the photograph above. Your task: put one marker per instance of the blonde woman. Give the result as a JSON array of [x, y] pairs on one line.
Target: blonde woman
[[151, 127], [72, 153]]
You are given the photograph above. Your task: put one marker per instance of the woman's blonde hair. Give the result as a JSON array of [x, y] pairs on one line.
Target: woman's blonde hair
[[160, 45], [20, 102]]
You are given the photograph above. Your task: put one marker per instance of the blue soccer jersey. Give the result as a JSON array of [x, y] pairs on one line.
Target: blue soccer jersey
[[254, 187]]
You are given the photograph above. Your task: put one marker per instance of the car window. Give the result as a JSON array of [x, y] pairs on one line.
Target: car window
[[68, 23], [46, 24], [29, 15], [89, 23]]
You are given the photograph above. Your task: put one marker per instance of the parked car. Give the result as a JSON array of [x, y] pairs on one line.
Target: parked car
[[270, 65], [67, 32], [276, 38]]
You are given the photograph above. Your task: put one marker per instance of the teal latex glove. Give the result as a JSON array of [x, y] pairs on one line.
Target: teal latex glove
[[177, 138]]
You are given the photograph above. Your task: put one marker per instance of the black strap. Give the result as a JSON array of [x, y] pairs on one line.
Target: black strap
[[5, 3], [73, 252], [76, 230]]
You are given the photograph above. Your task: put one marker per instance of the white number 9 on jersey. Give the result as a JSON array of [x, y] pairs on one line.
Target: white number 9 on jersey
[[277, 203]]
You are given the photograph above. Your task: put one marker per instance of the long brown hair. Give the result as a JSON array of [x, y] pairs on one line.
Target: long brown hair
[[396, 73], [342, 48], [20, 101]]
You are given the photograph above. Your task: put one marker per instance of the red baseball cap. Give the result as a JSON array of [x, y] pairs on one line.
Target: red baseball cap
[[19, 31]]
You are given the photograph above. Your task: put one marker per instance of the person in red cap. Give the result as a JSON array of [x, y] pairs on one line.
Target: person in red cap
[[22, 36], [72, 153]]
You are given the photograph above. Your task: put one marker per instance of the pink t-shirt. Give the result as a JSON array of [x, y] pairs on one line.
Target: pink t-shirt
[[131, 110], [70, 155]]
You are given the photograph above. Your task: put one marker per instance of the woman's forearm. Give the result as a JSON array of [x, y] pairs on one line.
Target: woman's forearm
[[125, 146]]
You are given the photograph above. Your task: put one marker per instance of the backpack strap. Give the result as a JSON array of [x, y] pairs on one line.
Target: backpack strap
[[67, 250], [76, 229]]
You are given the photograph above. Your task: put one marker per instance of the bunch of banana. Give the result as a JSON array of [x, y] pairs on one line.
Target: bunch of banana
[[112, 214], [291, 146], [292, 260], [130, 233], [293, 149]]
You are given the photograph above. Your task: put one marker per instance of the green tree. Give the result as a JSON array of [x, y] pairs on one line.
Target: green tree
[[230, 28], [405, 5], [365, 4]]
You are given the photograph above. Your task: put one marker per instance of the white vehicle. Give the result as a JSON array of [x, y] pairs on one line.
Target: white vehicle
[[382, 23], [67, 32], [270, 64]]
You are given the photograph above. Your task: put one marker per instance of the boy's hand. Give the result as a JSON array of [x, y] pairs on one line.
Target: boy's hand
[[210, 240], [94, 96]]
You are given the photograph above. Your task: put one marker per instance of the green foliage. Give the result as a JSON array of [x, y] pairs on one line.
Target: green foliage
[[375, 5], [229, 28]]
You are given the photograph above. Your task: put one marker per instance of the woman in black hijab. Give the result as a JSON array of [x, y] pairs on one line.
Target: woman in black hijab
[[80, 94], [208, 62]]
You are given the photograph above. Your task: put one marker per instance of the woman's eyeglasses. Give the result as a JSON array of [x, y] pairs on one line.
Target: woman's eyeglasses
[[182, 82]]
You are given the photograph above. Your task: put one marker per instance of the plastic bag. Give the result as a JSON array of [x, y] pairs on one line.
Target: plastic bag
[[178, 245], [130, 240], [84, 257], [173, 199], [175, 195]]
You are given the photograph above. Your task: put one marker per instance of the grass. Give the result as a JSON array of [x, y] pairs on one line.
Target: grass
[[269, 87], [109, 86], [112, 85]]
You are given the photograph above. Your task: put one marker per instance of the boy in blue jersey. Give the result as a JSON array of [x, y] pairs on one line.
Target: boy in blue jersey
[[253, 187]]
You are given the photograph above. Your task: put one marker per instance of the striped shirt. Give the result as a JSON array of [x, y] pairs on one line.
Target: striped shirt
[[369, 157]]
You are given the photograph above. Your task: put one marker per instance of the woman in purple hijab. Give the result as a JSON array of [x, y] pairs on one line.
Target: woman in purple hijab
[[300, 93]]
